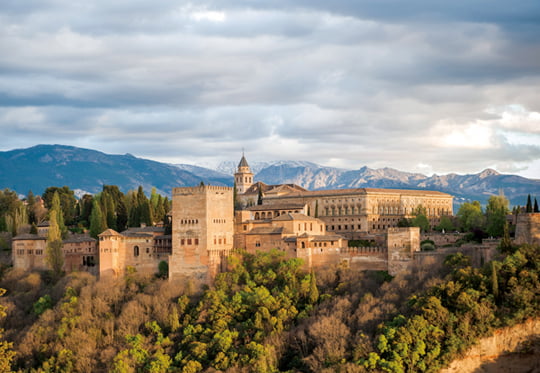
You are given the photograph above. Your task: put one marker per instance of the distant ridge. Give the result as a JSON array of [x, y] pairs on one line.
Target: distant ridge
[[87, 170]]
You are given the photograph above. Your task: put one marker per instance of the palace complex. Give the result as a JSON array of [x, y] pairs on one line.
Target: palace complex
[[210, 222]]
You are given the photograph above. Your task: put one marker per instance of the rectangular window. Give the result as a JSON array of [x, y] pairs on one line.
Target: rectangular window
[[196, 241], [182, 242], [189, 241]]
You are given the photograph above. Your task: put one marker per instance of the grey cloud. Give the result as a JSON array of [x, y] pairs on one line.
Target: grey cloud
[[344, 82]]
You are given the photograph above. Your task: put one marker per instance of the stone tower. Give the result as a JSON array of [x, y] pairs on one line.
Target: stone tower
[[202, 232], [243, 177]]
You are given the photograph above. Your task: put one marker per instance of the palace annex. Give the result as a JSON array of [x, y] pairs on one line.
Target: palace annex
[[210, 222]]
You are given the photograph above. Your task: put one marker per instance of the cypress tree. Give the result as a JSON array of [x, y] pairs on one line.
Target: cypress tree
[[56, 209], [494, 281], [528, 208], [97, 224], [260, 197], [30, 206], [535, 205], [313, 295], [108, 210], [53, 251]]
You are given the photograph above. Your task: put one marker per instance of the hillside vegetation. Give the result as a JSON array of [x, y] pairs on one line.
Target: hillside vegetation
[[265, 315]]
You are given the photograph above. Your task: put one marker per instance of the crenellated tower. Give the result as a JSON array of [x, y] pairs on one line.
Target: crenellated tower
[[243, 178]]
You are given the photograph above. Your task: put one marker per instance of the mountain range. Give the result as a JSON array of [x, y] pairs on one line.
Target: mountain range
[[86, 171]]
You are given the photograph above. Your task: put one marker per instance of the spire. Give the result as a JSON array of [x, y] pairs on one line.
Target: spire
[[243, 162], [243, 178]]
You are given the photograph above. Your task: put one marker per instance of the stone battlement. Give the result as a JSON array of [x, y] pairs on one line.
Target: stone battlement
[[199, 189]]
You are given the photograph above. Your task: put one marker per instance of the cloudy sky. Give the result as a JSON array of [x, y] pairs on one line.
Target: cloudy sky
[[426, 86]]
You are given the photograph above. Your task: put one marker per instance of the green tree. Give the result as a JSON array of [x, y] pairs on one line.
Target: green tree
[[108, 209], [6, 353], [9, 202], [67, 202], [506, 243], [97, 221], [528, 207], [56, 210], [420, 219], [260, 196], [446, 224], [30, 207], [535, 208], [496, 211], [85, 209], [54, 254], [119, 201], [470, 216]]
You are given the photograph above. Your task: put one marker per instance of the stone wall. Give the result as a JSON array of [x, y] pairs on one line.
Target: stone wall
[[528, 229], [442, 239], [402, 243], [29, 253]]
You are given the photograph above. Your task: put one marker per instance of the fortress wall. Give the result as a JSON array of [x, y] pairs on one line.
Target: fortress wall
[[441, 239], [402, 243], [528, 229]]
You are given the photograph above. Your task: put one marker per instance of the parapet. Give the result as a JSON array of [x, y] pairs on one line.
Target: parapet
[[200, 189]]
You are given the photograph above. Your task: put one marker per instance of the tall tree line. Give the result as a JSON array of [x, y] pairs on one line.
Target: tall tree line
[[108, 209]]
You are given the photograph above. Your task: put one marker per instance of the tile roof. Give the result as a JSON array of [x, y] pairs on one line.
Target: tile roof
[[28, 236], [79, 238]]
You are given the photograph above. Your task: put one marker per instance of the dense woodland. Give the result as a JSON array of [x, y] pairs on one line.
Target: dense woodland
[[265, 315], [93, 213]]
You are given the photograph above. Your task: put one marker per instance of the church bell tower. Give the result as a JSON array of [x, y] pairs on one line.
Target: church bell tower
[[243, 178]]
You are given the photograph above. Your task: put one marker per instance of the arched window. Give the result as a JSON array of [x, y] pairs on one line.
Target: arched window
[[136, 251]]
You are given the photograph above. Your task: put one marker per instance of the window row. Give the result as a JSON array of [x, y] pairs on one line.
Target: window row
[[189, 221], [189, 241]]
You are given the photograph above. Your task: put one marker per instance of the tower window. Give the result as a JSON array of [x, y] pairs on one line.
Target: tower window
[[136, 251]]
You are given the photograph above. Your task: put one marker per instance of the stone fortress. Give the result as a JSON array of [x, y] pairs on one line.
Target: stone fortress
[[315, 226], [312, 225]]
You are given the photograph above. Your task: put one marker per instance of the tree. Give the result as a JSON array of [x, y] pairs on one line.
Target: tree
[[496, 211], [108, 210], [260, 196], [506, 243], [470, 216], [529, 208], [446, 224], [535, 209], [6, 354], [56, 210], [420, 220], [85, 209], [97, 221], [54, 254], [30, 207], [67, 201]]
